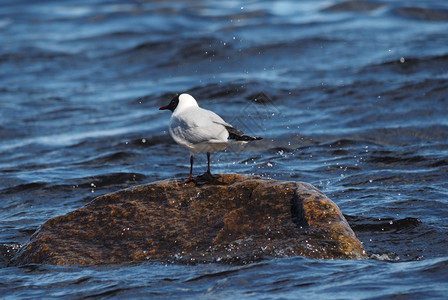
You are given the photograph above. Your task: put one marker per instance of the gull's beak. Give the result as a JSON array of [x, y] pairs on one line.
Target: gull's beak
[[163, 107]]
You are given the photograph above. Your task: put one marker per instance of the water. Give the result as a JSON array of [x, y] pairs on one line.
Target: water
[[351, 97]]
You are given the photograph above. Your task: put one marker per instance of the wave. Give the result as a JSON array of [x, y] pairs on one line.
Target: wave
[[370, 224], [422, 14], [354, 6]]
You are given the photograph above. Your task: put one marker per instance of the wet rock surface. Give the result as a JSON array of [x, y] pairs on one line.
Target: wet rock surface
[[233, 219]]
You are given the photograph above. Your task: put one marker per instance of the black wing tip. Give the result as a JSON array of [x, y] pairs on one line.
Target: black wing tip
[[237, 135], [244, 138]]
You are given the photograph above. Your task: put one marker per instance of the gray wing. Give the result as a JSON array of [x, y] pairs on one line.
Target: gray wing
[[197, 125]]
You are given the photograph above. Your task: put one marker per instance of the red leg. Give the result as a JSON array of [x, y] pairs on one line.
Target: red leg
[[208, 163], [191, 177]]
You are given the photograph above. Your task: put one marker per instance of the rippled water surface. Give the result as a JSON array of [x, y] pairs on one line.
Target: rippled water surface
[[349, 96]]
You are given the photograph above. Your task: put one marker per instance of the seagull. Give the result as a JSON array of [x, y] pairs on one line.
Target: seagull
[[200, 130]]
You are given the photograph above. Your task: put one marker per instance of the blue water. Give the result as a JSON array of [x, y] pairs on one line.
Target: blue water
[[351, 97]]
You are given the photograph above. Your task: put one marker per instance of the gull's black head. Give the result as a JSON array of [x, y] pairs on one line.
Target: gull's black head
[[173, 104]]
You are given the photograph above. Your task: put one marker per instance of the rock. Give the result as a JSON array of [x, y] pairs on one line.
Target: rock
[[235, 219]]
